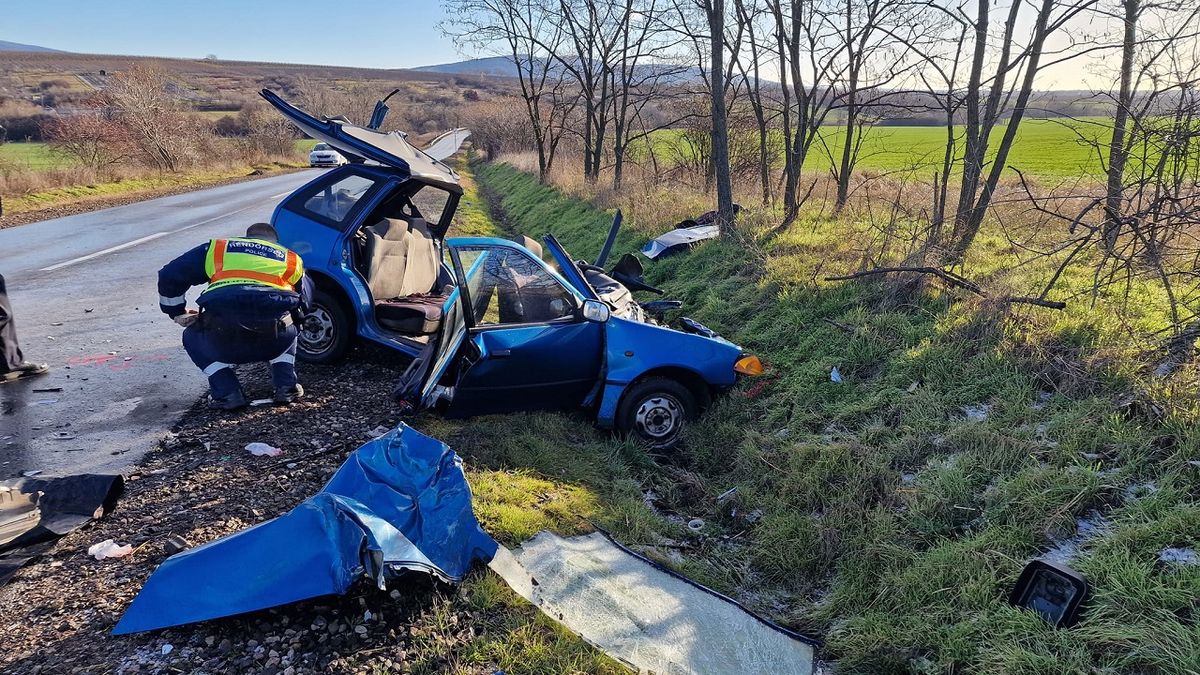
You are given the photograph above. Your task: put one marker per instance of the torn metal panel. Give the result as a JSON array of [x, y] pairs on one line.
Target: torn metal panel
[[678, 239], [644, 615], [400, 502], [35, 512]]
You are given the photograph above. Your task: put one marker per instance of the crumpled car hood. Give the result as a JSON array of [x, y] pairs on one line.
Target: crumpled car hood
[[400, 502]]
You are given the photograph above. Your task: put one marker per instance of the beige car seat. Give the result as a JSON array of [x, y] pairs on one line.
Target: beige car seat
[[402, 270]]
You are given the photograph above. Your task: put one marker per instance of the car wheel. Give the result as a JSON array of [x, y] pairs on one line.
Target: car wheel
[[655, 411], [325, 332]]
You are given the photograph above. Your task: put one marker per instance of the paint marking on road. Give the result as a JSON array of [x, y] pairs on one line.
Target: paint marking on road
[[106, 251], [135, 242]]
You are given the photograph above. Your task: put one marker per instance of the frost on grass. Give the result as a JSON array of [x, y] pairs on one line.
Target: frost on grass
[[1185, 557], [1093, 525]]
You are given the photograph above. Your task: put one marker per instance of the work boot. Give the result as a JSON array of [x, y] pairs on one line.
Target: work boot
[[285, 395], [23, 370], [231, 402]]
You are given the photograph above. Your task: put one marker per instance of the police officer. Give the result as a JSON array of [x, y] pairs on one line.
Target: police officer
[[247, 312]]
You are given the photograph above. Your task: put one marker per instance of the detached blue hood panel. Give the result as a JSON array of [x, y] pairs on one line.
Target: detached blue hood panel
[[398, 502]]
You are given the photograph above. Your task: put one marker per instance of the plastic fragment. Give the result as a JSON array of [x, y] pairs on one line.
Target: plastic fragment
[[263, 450], [167, 648], [109, 549], [835, 375]]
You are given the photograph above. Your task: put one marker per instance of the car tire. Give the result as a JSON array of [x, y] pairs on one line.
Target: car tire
[[326, 331], [655, 411]]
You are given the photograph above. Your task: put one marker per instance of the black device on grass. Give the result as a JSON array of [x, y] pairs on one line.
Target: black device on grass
[[1054, 591]]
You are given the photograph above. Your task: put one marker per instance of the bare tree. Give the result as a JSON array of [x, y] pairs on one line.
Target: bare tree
[[531, 35], [92, 137], [161, 129], [1013, 70]]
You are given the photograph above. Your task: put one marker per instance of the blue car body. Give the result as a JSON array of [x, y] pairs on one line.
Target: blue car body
[[590, 354]]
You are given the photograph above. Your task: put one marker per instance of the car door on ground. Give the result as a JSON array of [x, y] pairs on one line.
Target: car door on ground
[[529, 347]]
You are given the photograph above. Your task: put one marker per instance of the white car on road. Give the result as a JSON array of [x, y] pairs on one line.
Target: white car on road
[[323, 155]]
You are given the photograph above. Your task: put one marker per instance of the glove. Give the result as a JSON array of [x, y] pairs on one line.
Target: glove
[[187, 319]]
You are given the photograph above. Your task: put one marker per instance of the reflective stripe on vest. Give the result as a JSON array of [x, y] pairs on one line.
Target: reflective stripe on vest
[[251, 261]]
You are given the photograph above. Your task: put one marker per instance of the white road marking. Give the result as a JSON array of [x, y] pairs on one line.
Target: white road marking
[[106, 251], [156, 235]]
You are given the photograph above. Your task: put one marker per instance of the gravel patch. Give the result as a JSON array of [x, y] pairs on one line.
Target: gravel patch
[[201, 484]]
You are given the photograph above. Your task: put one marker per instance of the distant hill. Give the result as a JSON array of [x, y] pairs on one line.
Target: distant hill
[[502, 66], [18, 47], [493, 66]]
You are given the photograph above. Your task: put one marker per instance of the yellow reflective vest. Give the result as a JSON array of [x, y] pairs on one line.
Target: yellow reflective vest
[[251, 261]]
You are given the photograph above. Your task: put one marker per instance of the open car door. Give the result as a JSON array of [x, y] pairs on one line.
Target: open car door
[[418, 385]]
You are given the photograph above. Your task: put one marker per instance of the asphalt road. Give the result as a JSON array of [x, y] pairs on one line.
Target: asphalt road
[[85, 301]]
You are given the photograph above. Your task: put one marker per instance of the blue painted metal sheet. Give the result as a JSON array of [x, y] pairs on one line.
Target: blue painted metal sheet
[[400, 502]]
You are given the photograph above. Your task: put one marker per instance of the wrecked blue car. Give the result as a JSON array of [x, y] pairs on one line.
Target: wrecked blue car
[[490, 325]]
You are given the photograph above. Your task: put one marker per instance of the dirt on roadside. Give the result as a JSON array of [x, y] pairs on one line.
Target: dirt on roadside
[[56, 614], [87, 205]]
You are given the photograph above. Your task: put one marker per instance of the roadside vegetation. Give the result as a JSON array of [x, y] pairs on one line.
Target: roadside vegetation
[[888, 513]]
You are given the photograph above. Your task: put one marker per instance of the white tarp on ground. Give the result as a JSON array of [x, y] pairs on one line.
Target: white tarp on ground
[[642, 615]]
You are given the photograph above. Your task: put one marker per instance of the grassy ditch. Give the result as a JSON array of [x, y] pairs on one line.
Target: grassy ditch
[[891, 512]]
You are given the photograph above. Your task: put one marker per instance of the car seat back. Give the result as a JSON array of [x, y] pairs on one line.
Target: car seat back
[[387, 244], [421, 270]]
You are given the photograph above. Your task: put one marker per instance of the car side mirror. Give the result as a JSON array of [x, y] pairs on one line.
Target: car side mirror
[[594, 310]]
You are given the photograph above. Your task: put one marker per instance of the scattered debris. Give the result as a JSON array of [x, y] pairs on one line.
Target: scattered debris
[[176, 544], [726, 494], [835, 375], [167, 648], [263, 450], [1179, 556], [695, 524], [687, 233], [109, 549], [378, 431], [643, 614]]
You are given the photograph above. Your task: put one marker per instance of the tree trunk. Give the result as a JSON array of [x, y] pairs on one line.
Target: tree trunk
[[1118, 154], [720, 126]]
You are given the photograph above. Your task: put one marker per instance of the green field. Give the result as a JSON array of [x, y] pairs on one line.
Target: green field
[[40, 157], [1044, 148], [35, 156]]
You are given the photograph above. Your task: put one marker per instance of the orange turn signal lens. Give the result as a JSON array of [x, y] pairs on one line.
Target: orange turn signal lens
[[748, 365]]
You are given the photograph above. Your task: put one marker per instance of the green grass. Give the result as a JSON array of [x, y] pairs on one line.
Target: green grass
[[1047, 149], [34, 156], [874, 512]]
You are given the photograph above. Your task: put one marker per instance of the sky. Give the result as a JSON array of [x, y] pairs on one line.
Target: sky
[[376, 34], [367, 33]]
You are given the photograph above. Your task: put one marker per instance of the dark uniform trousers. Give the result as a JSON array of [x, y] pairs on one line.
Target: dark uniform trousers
[[216, 344], [10, 351]]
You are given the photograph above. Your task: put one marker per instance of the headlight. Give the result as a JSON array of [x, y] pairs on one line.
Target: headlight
[[748, 365]]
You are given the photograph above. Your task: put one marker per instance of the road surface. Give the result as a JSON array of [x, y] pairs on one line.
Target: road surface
[[85, 301]]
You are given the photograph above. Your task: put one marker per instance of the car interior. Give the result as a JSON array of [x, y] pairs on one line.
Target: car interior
[[400, 260]]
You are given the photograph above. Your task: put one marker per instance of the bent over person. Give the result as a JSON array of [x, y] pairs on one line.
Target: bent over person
[[248, 312]]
